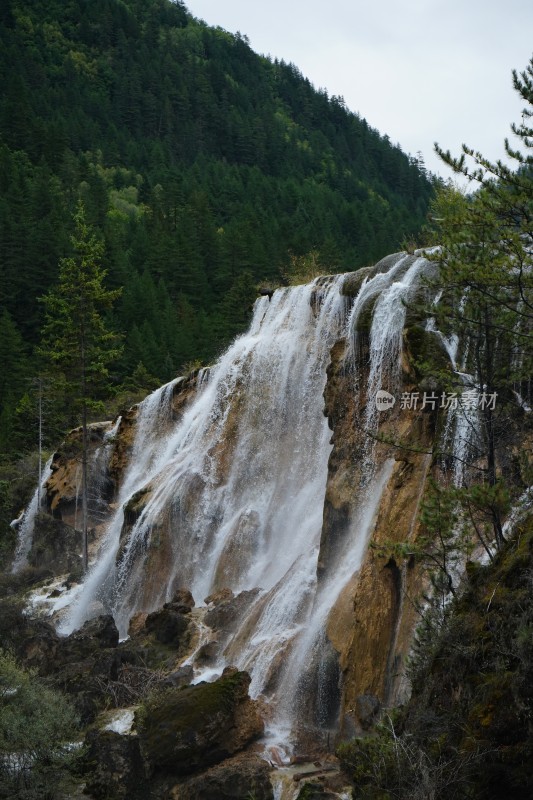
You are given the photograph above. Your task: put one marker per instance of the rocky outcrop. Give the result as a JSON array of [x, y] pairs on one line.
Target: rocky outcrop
[[63, 499], [55, 546], [238, 778], [110, 448], [370, 625], [170, 627], [184, 730], [225, 611]]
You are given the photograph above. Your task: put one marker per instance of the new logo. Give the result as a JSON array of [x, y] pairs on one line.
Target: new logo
[[384, 400]]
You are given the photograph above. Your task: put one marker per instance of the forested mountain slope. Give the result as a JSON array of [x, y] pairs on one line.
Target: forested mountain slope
[[204, 166]]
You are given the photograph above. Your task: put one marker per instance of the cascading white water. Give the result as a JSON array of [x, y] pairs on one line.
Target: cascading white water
[[233, 493], [386, 337], [153, 413], [263, 400], [385, 360], [308, 644], [461, 429], [25, 524]]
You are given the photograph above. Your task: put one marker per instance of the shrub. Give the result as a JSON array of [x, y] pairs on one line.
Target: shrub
[[37, 725]]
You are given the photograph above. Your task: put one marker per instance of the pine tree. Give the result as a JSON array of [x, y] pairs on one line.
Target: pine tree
[[486, 279], [75, 338]]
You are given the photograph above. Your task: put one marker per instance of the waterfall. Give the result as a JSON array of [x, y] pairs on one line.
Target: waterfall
[[386, 337], [229, 494], [461, 428], [24, 525]]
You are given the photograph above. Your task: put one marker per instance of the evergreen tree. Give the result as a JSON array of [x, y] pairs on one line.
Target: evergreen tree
[[196, 160], [486, 280], [13, 374], [76, 339]]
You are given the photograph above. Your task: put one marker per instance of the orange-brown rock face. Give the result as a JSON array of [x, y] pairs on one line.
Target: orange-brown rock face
[[371, 624], [63, 487]]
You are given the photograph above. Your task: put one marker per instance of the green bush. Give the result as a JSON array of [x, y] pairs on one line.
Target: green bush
[[37, 727]]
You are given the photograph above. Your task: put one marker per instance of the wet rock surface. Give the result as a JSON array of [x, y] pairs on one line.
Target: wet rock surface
[[169, 626], [228, 609]]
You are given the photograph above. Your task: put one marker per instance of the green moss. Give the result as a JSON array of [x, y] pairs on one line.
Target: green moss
[[352, 282], [426, 352], [183, 728], [364, 320]]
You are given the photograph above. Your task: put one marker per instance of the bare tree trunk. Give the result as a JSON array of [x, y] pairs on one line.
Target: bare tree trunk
[[84, 510], [84, 470], [489, 429], [40, 437]]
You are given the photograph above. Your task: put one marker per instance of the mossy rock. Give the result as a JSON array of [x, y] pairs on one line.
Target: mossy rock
[[169, 627], [353, 282], [112, 766], [136, 505], [244, 777], [182, 730], [364, 320]]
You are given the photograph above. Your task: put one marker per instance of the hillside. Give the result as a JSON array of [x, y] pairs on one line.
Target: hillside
[[205, 168]]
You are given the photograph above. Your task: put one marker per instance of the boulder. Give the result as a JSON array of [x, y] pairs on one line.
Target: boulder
[[100, 631], [113, 766], [226, 614], [183, 730], [218, 597], [182, 602], [237, 778], [37, 646], [182, 676], [169, 627], [207, 653]]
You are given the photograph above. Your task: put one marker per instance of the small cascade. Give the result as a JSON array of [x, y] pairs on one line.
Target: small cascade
[[521, 507], [461, 428], [386, 338], [370, 289], [24, 525], [99, 488]]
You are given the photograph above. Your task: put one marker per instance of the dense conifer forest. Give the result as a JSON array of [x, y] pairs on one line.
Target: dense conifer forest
[[202, 166]]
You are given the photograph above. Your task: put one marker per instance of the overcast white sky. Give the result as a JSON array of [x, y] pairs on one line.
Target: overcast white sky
[[418, 70]]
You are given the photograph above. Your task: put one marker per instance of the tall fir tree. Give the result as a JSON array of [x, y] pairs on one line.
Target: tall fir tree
[[76, 340]]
